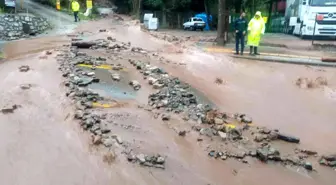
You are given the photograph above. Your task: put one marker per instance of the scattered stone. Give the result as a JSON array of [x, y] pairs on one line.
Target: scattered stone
[[141, 158], [108, 142], [235, 134], [48, 52], [135, 84], [118, 139], [308, 166], [165, 117], [9, 109], [219, 81], [25, 86], [97, 140], [207, 131], [24, 68], [116, 77], [212, 153], [182, 133], [90, 73], [218, 121], [259, 138], [160, 160], [222, 135]]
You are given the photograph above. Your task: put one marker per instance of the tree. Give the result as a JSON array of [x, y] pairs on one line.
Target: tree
[[221, 23]]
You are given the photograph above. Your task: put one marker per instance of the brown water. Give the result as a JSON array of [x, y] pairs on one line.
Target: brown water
[[41, 145]]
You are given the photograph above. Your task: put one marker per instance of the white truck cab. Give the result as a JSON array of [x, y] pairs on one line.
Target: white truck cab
[[301, 16]]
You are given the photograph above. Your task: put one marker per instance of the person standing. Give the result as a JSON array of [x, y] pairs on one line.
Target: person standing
[[240, 26], [256, 28], [75, 8]]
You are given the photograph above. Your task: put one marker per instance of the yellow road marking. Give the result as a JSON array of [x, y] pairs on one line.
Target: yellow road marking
[[104, 105], [104, 66], [226, 50]]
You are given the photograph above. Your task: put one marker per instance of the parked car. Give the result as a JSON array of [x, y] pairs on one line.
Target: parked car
[[194, 23]]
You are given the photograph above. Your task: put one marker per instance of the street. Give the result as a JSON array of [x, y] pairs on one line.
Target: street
[[131, 109]]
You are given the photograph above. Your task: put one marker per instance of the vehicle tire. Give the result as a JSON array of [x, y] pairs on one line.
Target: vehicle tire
[[303, 37], [202, 29]]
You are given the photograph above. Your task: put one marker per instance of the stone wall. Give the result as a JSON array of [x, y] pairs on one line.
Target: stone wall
[[21, 26]]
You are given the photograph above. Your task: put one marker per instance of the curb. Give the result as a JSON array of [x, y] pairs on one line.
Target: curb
[[301, 61]]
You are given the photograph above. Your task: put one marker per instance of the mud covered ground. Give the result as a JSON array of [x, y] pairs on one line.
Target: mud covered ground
[[45, 144]]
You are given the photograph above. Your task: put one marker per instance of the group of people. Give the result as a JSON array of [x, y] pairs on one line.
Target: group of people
[[254, 29]]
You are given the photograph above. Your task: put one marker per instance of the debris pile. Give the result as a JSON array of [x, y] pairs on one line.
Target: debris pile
[[156, 161]]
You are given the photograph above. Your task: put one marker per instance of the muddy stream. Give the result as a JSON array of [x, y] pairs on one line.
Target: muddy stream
[[42, 145]]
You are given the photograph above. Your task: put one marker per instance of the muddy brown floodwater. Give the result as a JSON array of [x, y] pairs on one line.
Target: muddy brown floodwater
[[41, 144]]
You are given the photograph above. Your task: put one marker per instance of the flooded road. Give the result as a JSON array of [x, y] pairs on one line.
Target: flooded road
[[42, 144]]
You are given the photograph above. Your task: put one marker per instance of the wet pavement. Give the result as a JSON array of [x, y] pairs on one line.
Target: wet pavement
[[43, 145]]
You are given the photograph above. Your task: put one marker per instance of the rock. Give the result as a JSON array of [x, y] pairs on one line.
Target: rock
[[246, 119], [262, 154], [288, 138], [152, 80], [222, 135], [48, 52], [259, 138], [9, 109], [108, 142], [212, 153], [235, 134], [273, 136], [79, 114], [135, 84], [265, 131], [157, 85], [24, 68], [165, 117], [116, 77], [159, 166], [90, 73], [131, 157], [141, 158], [308, 166], [207, 131], [331, 157], [160, 160], [224, 157], [182, 133], [218, 121], [25, 86], [97, 140]]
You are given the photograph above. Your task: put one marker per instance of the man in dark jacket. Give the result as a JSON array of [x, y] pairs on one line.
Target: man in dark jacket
[[240, 26]]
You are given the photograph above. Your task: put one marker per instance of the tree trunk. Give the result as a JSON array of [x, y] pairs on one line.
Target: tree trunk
[[207, 11], [221, 23], [238, 6], [269, 15], [136, 8]]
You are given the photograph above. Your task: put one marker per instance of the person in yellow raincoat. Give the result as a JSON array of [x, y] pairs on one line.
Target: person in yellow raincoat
[[75, 8], [256, 28]]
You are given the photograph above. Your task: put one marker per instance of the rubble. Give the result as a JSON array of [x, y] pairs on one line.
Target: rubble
[[135, 84], [9, 109], [24, 68], [156, 161]]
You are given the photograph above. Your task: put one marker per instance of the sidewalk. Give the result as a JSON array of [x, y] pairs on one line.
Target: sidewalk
[[272, 55]]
